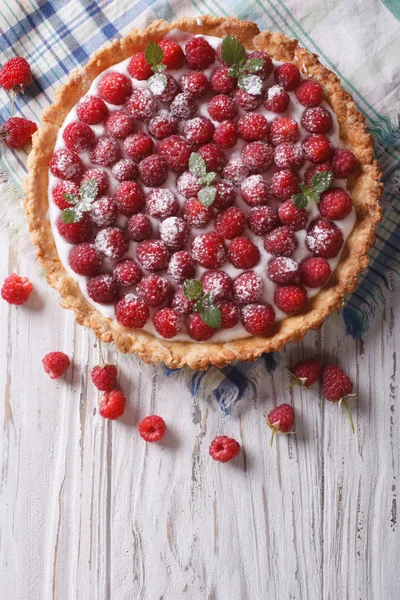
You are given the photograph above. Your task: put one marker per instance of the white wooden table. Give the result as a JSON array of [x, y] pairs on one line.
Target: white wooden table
[[89, 511]]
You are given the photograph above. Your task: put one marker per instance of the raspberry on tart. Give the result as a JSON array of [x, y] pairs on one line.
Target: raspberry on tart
[[242, 253], [152, 255], [247, 287], [153, 289], [281, 241], [209, 250], [127, 273], [132, 312], [181, 266], [102, 288], [230, 223], [139, 228], [129, 198], [216, 283], [196, 214], [226, 135], [276, 99], [262, 219], [163, 124], [255, 190], [257, 156], [138, 146], [104, 212], [199, 53], [167, 322], [288, 76], [283, 270], [195, 83]]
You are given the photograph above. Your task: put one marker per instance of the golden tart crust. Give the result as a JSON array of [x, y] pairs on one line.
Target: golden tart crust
[[365, 189]]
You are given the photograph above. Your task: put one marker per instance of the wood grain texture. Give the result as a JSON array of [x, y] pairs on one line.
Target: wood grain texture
[[88, 510]]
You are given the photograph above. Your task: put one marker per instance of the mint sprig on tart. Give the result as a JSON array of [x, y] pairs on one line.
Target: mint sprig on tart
[[234, 54], [209, 312]]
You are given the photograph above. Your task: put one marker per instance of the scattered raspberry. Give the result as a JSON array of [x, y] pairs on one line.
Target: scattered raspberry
[[138, 146], [317, 148], [104, 212], [129, 198], [276, 99], [283, 270], [226, 194], [280, 241], [112, 242], [258, 319], [196, 214], [262, 219], [125, 170], [139, 228], [336, 385], [229, 312], [224, 449], [324, 238], [163, 124], [84, 259], [161, 203], [132, 312], [281, 419], [252, 127], [306, 373], [183, 106], [60, 189], [102, 288], [104, 378], [344, 163], [309, 93], [153, 170], [15, 73], [66, 165], [167, 322], [199, 130], [194, 83], [118, 124], [174, 57], [235, 171], [105, 152], [311, 171], [283, 129], [317, 120], [216, 283], [174, 232], [139, 68], [181, 267], [288, 156], [258, 156], [245, 100], [226, 135], [187, 185], [288, 76], [267, 67], [17, 132], [141, 105], [222, 108], [209, 250], [314, 272], [199, 53], [152, 429], [153, 289], [243, 254], [230, 223], [112, 405], [91, 110], [55, 364], [290, 298], [152, 255], [16, 289], [214, 157], [176, 152], [180, 303], [284, 184], [75, 233], [335, 204], [255, 190], [198, 330], [247, 287], [101, 178], [115, 87], [295, 218], [127, 273], [221, 82], [167, 93]]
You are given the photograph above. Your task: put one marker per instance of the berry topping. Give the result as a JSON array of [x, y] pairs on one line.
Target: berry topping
[[196, 214], [105, 152], [112, 405], [129, 198], [314, 272], [161, 203], [222, 108], [194, 83], [17, 132], [141, 105], [317, 120], [174, 232], [283, 129], [176, 152], [163, 124], [243, 254], [343, 163], [230, 314], [306, 373], [167, 322], [324, 238], [115, 87], [255, 190], [335, 204], [226, 135], [174, 57], [284, 184], [165, 93], [91, 110], [258, 156], [55, 364], [267, 66], [199, 130], [188, 185], [101, 178], [153, 289], [75, 233], [181, 267], [139, 228], [84, 259], [221, 82], [288, 156], [153, 170], [295, 218], [152, 255], [235, 171], [60, 189], [16, 289], [280, 241], [281, 419], [104, 378], [230, 223], [309, 93], [15, 74], [226, 194], [112, 242], [102, 288], [199, 53], [104, 212], [138, 146], [209, 250], [152, 429], [118, 124], [125, 170], [276, 99], [283, 270], [132, 312], [139, 68], [290, 298], [262, 219], [224, 449], [183, 106], [288, 76], [66, 165], [216, 283], [247, 101], [213, 156], [197, 329], [317, 148], [127, 273], [247, 287], [252, 127], [258, 319]]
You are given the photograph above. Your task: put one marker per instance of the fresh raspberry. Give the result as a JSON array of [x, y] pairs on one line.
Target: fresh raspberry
[[295, 218], [180, 303], [198, 330], [262, 219], [176, 152], [252, 127], [84, 259], [139, 68], [167, 93], [161, 203], [16, 289], [276, 99], [235, 171], [317, 148], [153, 170], [309, 93], [245, 100], [343, 163], [174, 57], [209, 250], [65, 164], [290, 298], [17, 132], [288, 156], [101, 178], [163, 124], [311, 171], [78, 136], [127, 273], [104, 212], [314, 272], [283, 270], [229, 312], [255, 190], [258, 319], [181, 267], [129, 198], [230, 223], [221, 82], [258, 156], [112, 242], [112, 405], [55, 364], [281, 419], [216, 283], [132, 312], [324, 238], [138, 146], [226, 135], [196, 214], [139, 228], [199, 53], [91, 110], [153, 289], [167, 322], [152, 255], [336, 385], [283, 129], [75, 233], [226, 194], [280, 241], [102, 288], [306, 373], [104, 378], [284, 184], [174, 232], [15, 73], [288, 76], [224, 449], [183, 106], [105, 152], [141, 105], [125, 170], [60, 189], [152, 429], [199, 130], [317, 120], [187, 185], [194, 83], [335, 204], [115, 87], [213, 156], [243, 254], [222, 108], [118, 124], [267, 67], [247, 287]]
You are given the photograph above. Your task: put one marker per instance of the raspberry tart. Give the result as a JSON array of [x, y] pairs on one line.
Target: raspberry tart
[[202, 192]]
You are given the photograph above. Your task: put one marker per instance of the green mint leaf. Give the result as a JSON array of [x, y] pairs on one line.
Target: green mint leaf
[[207, 179], [88, 190], [253, 65], [299, 200], [212, 317], [304, 188], [207, 195], [197, 165], [321, 181], [199, 306], [192, 289], [71, 198], [235, 71], [157, 83], [232, 51], [70, 215], [153, 54], [313, 196], [252, 84]]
